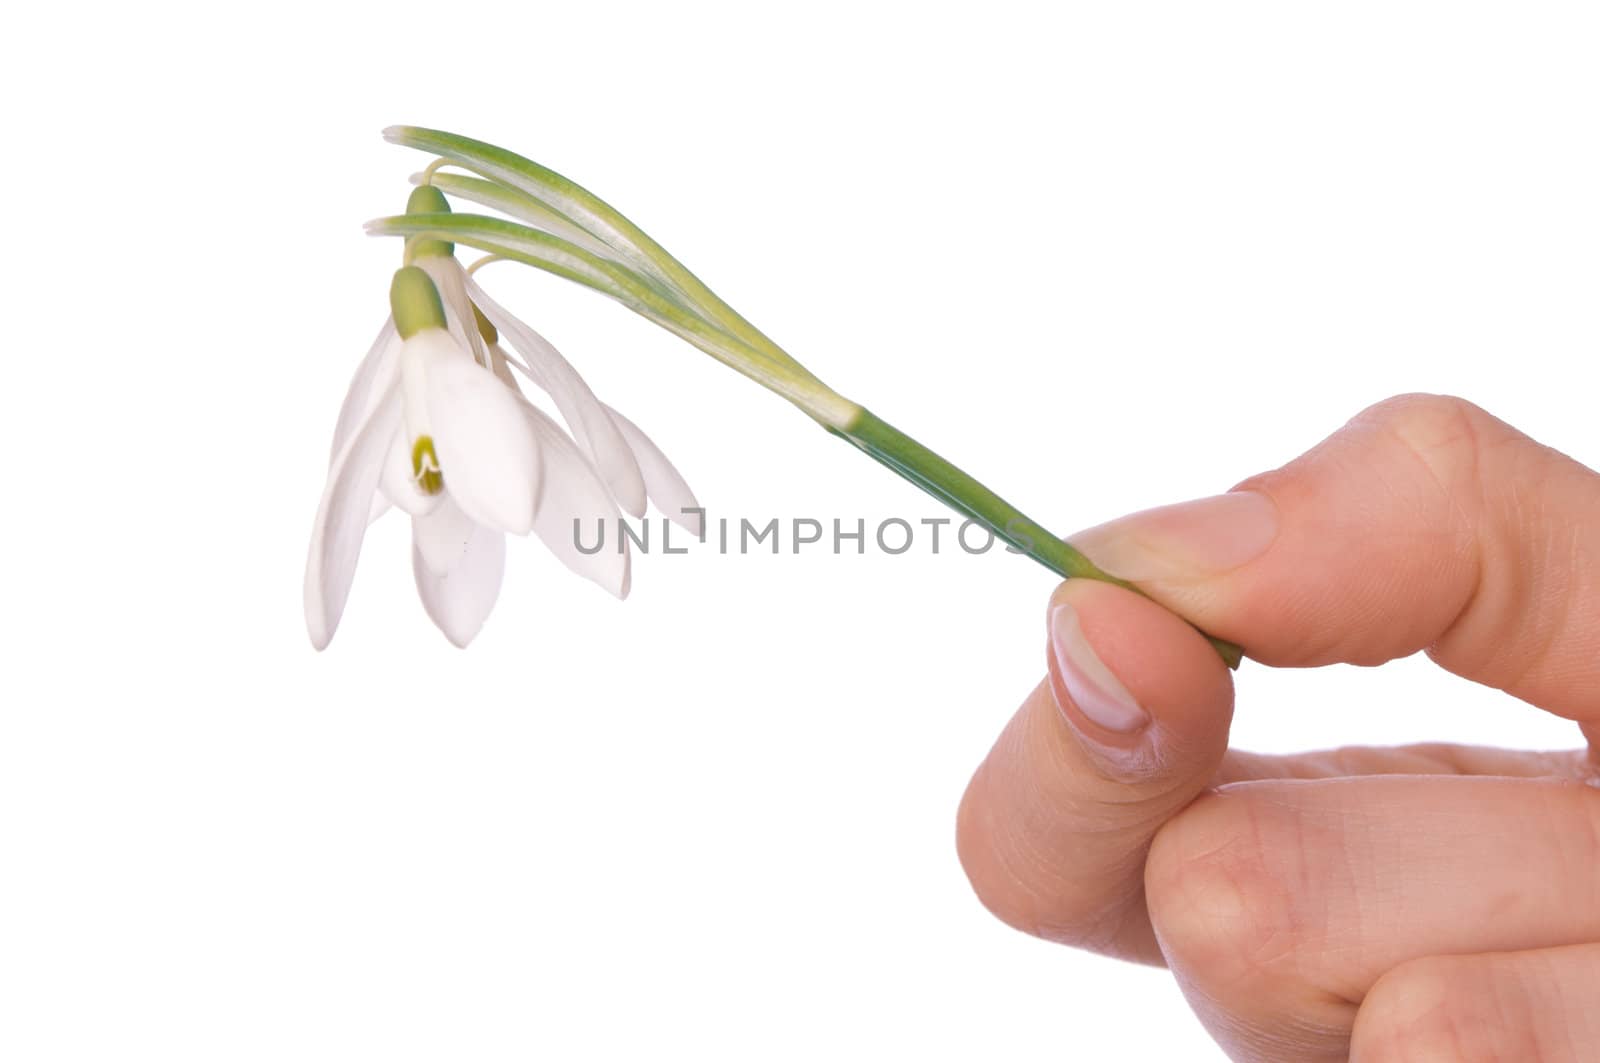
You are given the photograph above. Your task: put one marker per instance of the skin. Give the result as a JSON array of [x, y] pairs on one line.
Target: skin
[[1420, 903]]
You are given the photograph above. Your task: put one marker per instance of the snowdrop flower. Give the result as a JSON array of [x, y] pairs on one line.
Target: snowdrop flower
[[552, 223], [422, 410], [435, 425], [633, 469]]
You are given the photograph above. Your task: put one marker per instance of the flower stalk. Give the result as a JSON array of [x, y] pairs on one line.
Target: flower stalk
[[564, 229]]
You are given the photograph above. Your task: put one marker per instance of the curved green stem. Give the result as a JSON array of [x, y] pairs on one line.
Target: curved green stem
[[961, 492]]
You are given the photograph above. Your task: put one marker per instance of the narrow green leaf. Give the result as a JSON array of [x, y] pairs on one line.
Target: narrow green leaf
[[523, 207], [545, 251], [590, 213]]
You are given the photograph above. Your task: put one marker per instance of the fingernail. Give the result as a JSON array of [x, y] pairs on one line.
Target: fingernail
[[1093, 688], [1187, 541]]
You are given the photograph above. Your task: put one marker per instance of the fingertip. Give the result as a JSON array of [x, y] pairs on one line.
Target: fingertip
[[1131, 724], [1116, 657]]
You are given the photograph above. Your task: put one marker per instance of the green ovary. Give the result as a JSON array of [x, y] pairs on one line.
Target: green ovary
[[425, 466]]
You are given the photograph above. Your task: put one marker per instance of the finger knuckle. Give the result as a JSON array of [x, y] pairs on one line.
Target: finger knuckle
[[1015, 876], [1425, 419], [999, 858], [1224, 884], [980, 858], [1222, 909], [1435, 1009], [1406, 1016], [1443, 433]]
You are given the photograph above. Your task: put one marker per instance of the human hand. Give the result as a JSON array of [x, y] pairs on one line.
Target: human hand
[[1418, 903]]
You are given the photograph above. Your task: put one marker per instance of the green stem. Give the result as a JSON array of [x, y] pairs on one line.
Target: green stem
[[972, 499]]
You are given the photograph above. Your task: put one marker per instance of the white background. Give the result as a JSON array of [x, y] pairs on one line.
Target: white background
[[1105, 256]]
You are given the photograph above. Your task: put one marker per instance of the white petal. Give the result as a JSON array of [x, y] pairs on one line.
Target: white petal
[[451, 279], [663, 482], [398, 482], [342, 516], [363, 391], [460, 602], [576, 507], [380, 506], [487, 450], [596, 434], [441, 537]]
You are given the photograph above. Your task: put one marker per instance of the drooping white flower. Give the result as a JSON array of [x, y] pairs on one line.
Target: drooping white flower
[[633, 467], [420, 405], [435, 425]]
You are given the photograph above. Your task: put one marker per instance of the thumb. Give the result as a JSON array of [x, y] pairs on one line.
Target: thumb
[[1424, 523], [1130, 724]]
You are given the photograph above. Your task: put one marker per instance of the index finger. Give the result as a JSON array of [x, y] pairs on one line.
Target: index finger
[[1424, 523]]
